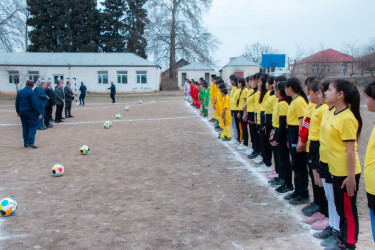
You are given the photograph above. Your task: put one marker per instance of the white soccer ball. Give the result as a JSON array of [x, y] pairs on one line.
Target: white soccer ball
[[118, 116], [127, 108], [57, 170], [84, 149], [107, 124], [140, 101], [8, 206]]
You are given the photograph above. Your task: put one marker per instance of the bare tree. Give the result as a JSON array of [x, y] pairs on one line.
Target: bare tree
[[368, 58], [255, 51], [175, 30], [12, 24], [352, 49]]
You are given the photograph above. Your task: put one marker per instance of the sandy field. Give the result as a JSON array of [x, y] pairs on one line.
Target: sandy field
[[157, 179]]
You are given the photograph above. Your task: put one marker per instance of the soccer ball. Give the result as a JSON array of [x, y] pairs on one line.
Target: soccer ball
[[107, 124], [140, 101], [57, 170], [84, 149], [127, 108], [118, 116], [8, 206]]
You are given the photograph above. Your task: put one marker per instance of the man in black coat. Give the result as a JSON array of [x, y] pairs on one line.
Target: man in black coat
[[69, 95], [82, 96], [51, 103], [113, 92], [42, 98], [27, 108], [59, 100]]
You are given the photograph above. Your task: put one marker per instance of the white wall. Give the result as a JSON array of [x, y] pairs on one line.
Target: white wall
[[89, 75], [247, 71], [193, 74]]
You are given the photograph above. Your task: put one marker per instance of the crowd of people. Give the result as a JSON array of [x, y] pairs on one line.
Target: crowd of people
[[309, 131], [35, 108]]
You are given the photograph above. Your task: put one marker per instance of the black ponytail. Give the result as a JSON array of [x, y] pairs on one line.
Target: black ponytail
[[351, 98], [280, 86], [295, 84], [242, 81], [263, 90]]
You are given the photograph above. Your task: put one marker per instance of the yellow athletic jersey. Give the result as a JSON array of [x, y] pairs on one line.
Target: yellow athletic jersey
[[369, 170], [270, 104], [316, 119], [232, 92], [236, 97], [251, 100], [226, 104], [261, 105], [322, 140], [341, 127], [243, 97], [219, 104], [296, 111], [212, 91], [281, 108]]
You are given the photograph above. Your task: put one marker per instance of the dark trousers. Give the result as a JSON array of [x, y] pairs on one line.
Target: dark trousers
[[238, 124], [266, 146], [41, 121], [48, 115], [29, 125], [311, 163], [253, 132], [245, 132], [299, 167], [346, 207], [82, 98], [68, 107], [59, 110], [285, 167], [113, 98]]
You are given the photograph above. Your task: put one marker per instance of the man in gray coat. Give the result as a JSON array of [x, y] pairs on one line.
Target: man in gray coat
[[69, 95], [59, 98]]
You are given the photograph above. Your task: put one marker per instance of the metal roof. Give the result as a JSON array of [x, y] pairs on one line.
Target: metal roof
[[242, 61], [74, 59], [196, 66]]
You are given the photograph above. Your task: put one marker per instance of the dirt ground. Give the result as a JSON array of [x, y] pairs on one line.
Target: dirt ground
[[157, 179]]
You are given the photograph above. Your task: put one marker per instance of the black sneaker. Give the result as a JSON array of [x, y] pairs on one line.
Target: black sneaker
[[324, 234], [31, 146], [211, 120], [332, 240], [277, 183], [253, 155], [273, 180], [226, 139], [311, 210], [283, 189], [291, 196], [299, 200], [308, 206]]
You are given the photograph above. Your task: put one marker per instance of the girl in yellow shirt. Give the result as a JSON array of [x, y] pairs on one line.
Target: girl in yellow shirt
[[298, 159], [341, 134], [238, 101], [369, 170], [225, 114], [249, 115]]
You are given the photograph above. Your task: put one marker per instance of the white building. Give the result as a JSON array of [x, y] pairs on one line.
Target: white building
[[241, 66], [128, 71], [194, 71]]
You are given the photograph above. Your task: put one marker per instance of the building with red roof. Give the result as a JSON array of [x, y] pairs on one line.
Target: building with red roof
[[328, 63]]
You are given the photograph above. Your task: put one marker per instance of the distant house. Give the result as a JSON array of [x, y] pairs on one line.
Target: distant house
[[166, 84], [241, 66], [327, 63], [194, 71], [128, 71]]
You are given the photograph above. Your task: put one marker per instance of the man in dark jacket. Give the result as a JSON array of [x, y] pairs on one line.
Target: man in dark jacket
[[82, 96], [51, 103], [68, 99], [27, 108], [43, 102], [113, 92], [59, 99]]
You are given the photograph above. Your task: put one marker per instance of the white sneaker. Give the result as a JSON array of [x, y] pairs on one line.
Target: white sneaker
[[249, 151], [232, 142], [235, 144], [264, 169], [241, 147], [258, 159]]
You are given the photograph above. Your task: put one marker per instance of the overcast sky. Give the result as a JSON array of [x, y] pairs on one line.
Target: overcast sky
[[289, 24]]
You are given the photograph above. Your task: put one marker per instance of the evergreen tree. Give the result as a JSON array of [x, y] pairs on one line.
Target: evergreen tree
[[136, 21], [113, 26]]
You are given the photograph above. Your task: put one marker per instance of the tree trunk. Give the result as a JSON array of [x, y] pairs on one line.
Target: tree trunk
[[172, 58]]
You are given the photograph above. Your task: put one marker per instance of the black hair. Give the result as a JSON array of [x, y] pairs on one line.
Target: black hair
[[213, 75], [224, 90], [219, 81], [205, 85], [233, 77], [314, 86], [280, 86], [351, 98], [270, 80], [295, 84], [222, 85], [30, 83], [263, 90], [323, 86], [280, 78], [248, 78], [370, 90]]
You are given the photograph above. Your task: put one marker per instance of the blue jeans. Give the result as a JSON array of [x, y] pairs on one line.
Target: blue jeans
[[29, 125]]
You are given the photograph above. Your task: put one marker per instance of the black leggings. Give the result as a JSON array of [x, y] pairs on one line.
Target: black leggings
[[253, 131], [238, 124]]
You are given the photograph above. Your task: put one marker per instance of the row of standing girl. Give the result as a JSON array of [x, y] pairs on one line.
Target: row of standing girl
[[315, 136]]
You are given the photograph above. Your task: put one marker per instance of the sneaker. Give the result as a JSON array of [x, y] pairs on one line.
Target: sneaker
[[235, 144], [211, 120], [264, 169], [321, 224], [332, 240], [241, 147], [324, 234], [249, 151], [316, 217], [299, 200], [291, 196], [273, 180], [271, 173], [339, 246], [253, 155], [226, 139], [277, 183], [283, 189], [258, 159], [311, 210], [272, 176], [308, 206]]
